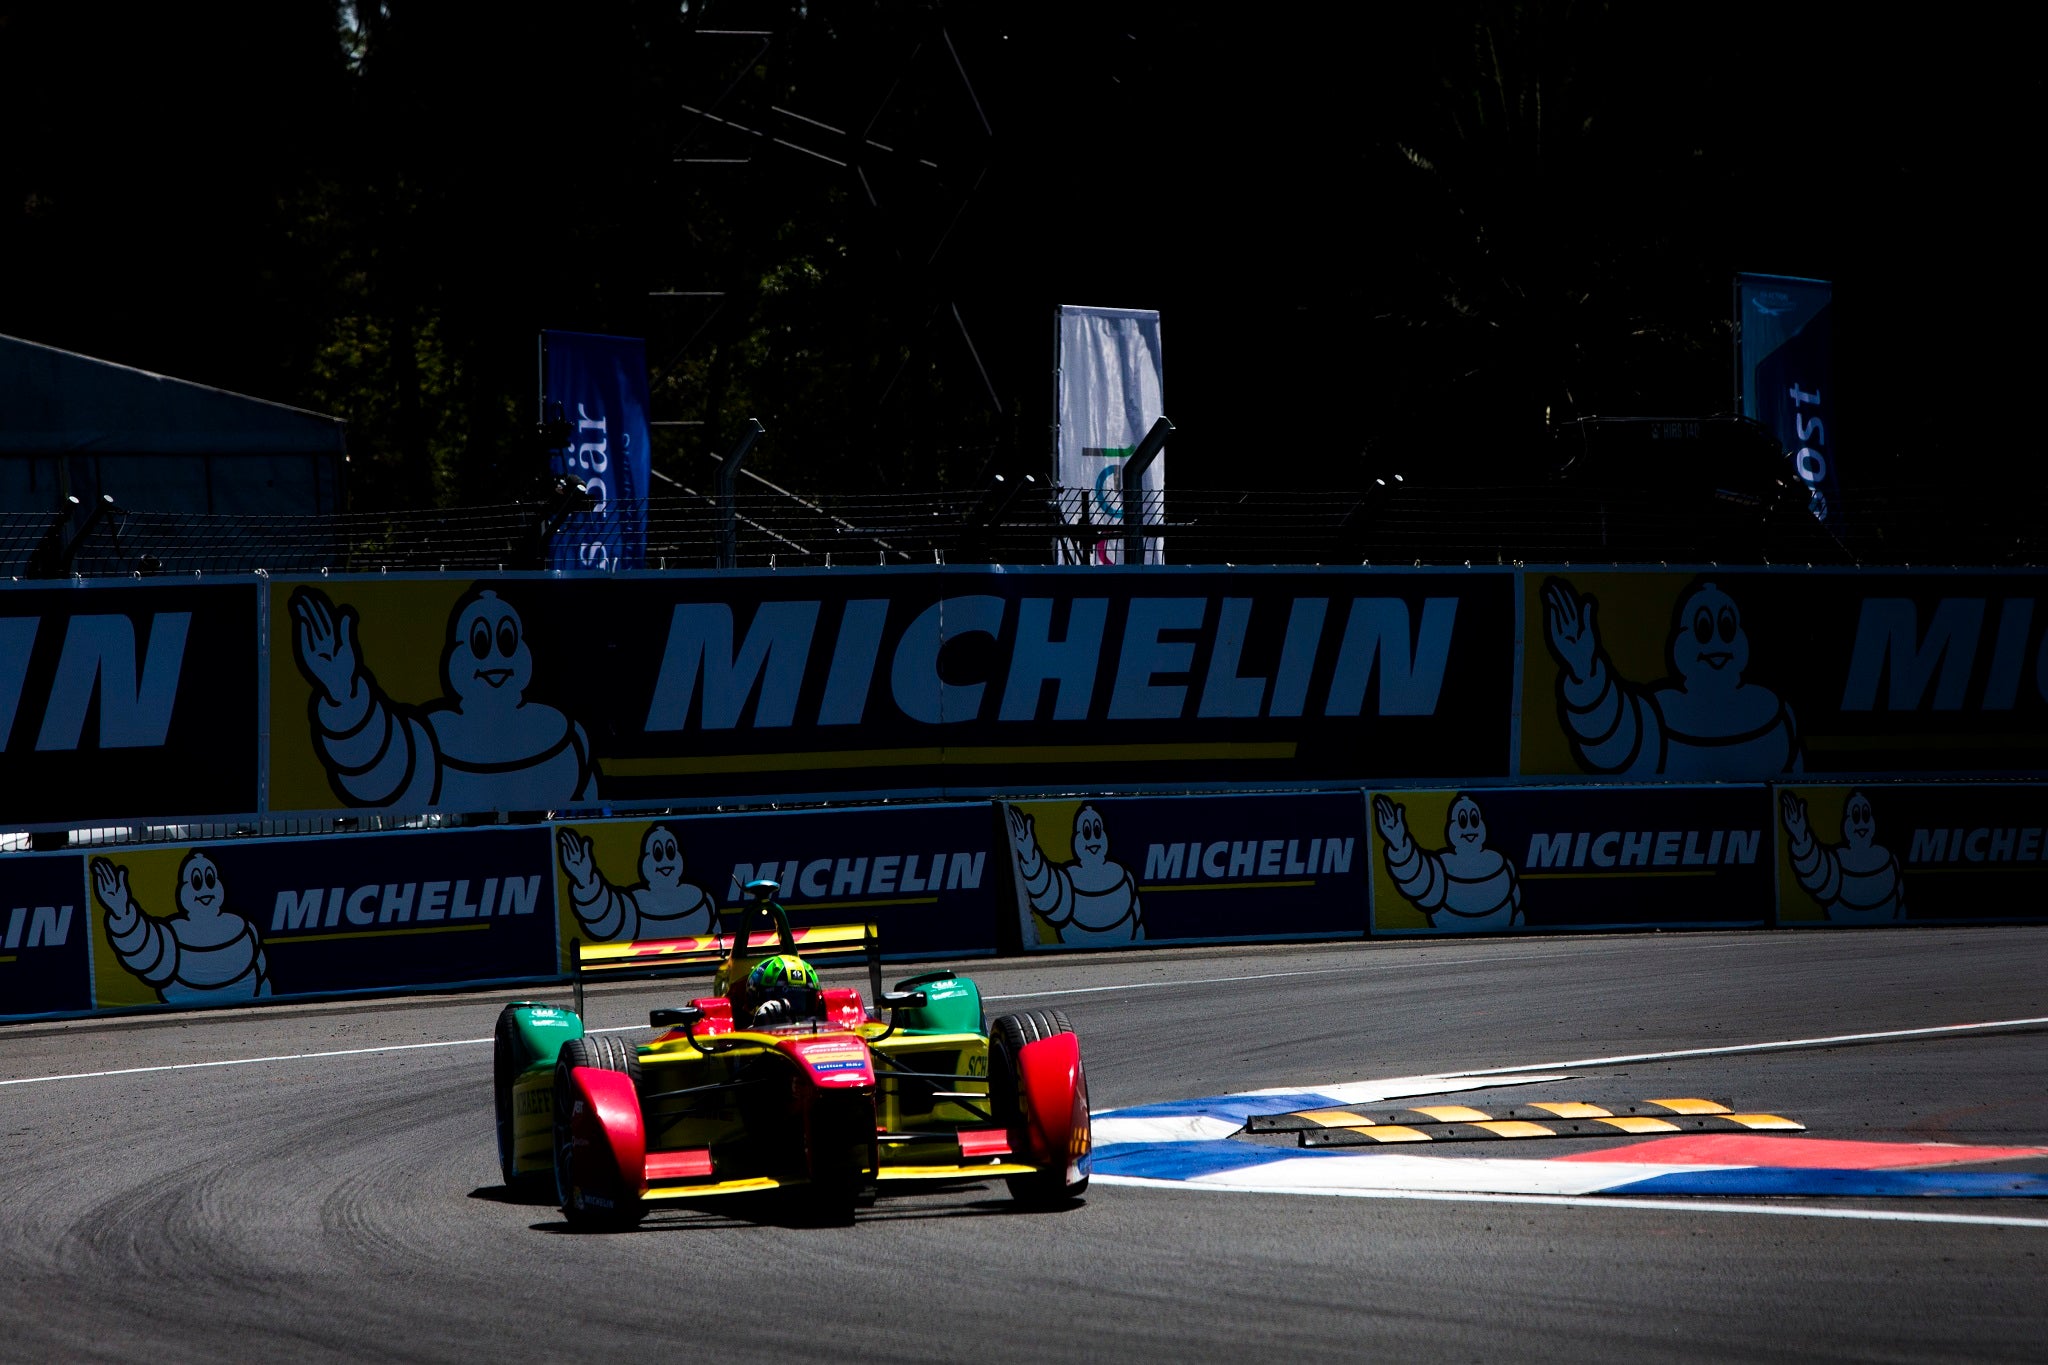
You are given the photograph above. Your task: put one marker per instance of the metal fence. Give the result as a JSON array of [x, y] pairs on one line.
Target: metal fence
[[1393, 525]]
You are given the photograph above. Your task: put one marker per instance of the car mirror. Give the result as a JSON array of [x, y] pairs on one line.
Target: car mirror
[[675, 1018], [903, 1000]]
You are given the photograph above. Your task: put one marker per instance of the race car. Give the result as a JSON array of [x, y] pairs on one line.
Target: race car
[[777, 1082]]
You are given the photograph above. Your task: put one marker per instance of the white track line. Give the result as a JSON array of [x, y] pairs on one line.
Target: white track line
[[1263, 976], [283, 1057], [1618, 1201], [1618, 1060], [1832, 1040]]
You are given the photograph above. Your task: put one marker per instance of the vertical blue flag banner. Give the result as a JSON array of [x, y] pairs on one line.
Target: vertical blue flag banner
[[599, 384], [1785, 356]]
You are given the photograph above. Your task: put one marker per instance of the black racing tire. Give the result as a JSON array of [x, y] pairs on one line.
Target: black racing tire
[[1007, 1035], [606, 1052], [505, 1069]]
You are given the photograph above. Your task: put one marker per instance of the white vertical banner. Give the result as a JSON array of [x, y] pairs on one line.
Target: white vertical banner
[[1110, 386]]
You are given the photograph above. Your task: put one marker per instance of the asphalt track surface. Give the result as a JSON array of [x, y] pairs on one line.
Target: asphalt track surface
[[348, 1206]]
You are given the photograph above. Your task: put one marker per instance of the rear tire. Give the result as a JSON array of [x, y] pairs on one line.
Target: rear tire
[[606, 1052], [1007, 1036]]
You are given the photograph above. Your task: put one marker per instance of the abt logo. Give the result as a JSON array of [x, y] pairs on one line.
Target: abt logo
[[135, 681]]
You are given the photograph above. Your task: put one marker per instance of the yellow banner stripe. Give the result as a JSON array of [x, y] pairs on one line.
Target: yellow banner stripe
[[284, 940], [1609, 872], [681, 766]]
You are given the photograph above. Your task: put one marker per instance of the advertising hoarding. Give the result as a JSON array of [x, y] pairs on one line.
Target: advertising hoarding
[[1494, 859], [1121, 872], [924, 876], [254, 919], [45, 936], [526, 692], [1745, 675], [128, 701], [1896, 853]]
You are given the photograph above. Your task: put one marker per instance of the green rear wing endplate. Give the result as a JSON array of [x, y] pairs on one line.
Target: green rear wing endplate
[[651, 959]]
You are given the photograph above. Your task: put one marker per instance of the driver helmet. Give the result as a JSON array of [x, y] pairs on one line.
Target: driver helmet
[[782, 988]]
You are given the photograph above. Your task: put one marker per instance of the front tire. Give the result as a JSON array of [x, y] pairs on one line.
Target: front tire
[[1007, 1036], [606, 1052]]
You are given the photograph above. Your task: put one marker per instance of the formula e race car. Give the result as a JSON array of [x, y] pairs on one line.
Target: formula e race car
[[776, 1082]]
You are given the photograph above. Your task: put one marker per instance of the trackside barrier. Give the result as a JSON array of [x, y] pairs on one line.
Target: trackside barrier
[[247, 920], [1550, 858], [1911, 854], [926, 875], [1124, 871], [382, 699]]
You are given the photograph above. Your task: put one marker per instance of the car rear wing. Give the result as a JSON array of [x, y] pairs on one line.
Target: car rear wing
[[651, 959]]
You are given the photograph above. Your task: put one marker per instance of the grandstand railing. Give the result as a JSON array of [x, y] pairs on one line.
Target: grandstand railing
[[1401, 525]]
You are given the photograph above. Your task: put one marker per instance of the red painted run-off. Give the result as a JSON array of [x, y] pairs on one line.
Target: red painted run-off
[[1758, 1149]]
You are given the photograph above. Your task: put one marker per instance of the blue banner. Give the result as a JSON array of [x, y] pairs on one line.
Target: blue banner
[[1892, 853], [599, 386], [1785, 340], [255, 919], [1120, 872], [922, 875], [1524, 859], [45, 936]]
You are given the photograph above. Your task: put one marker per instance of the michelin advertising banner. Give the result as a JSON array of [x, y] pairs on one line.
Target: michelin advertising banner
[[128, 701], [252, 919], [1121, 872], [1450, 862], [528, 692], [1747, 675], [45, 936], [1912, 854], [922, 875]]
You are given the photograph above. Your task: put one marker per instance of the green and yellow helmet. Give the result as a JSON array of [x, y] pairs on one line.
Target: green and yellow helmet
[[784, 971]]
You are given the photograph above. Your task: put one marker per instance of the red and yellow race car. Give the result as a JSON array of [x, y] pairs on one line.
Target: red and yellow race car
[[778, 1082]]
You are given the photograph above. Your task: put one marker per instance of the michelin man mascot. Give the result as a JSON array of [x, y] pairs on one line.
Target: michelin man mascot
[[1468, 882], [1090, 901], [199, 955], [1856, 881], [1702, 722], [481, 746], [660, 905]]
